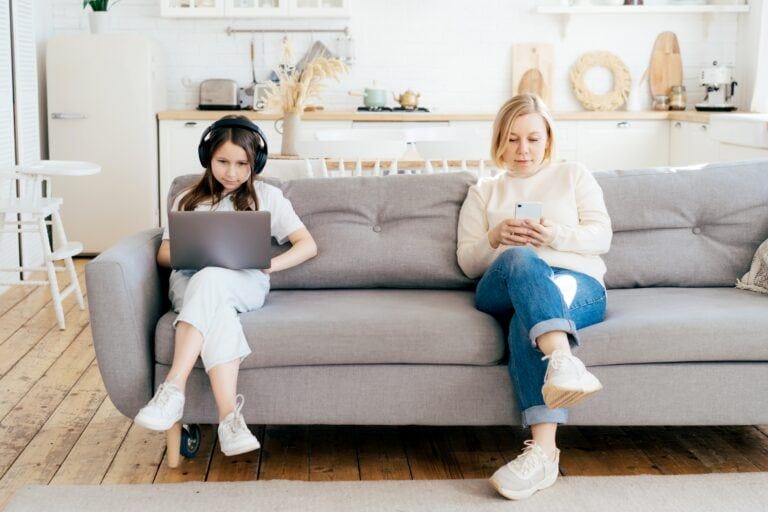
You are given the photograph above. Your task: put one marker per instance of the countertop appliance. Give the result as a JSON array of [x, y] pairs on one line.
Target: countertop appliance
[[720, 85], [219, 94], [103, 109]]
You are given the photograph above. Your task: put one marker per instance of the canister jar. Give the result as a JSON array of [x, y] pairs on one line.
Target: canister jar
[[677, 98]]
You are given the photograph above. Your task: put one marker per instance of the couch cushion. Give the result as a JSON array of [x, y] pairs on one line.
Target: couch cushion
[[654, 325], [685, 227], [316, 327], [394, 231]]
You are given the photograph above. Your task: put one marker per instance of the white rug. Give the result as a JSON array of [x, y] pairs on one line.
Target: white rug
[[725, 492]]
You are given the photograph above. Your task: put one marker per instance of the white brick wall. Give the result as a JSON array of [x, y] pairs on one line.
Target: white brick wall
[[456, 53]]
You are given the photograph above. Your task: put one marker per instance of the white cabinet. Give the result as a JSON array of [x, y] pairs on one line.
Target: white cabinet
[[734, 152], [319, 8], [191, 8], [690, 144], [254, 8], [607, 145]]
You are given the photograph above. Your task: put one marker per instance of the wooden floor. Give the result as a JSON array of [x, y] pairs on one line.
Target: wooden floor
[[57, 426]]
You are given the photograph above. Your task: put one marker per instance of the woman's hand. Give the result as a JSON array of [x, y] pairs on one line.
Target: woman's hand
[[511, 232], [542, 233]]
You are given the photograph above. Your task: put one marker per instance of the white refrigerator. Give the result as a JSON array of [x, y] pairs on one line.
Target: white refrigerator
[[104, 93]]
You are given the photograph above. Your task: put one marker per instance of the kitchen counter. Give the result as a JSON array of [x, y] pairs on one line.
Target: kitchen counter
[[339, 115]]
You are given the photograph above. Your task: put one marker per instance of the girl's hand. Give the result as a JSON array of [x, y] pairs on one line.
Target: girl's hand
[[542, 233], [511, 232]]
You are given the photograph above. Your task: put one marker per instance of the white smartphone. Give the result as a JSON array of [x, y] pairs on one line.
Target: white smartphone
[[529, 210]]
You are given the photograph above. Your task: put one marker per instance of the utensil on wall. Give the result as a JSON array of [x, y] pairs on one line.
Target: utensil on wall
[[318, 49], [666, 67], [532, 65]]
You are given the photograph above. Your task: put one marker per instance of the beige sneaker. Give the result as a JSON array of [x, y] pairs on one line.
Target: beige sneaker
[[165, 408], [567, 381], [234, 436], [531, 471]]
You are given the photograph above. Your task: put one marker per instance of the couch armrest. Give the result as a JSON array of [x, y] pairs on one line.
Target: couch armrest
[[125, 301]]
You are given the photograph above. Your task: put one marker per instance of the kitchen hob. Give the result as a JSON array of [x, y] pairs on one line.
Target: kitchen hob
[[391, 109]]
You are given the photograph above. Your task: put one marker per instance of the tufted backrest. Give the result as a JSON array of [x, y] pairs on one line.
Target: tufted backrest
[[672, 227], [687, 226], [393, 231]]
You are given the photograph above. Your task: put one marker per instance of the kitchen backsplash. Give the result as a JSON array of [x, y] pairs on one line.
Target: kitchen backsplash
[[456, 53]]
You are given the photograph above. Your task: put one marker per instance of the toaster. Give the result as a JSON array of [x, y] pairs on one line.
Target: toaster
[[218, 94]]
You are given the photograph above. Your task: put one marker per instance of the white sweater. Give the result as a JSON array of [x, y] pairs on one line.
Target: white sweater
[[572, 201]]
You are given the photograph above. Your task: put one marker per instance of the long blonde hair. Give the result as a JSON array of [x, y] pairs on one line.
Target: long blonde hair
[[520, 105]]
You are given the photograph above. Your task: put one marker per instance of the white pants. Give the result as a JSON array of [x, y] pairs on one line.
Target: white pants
[[210, 300]]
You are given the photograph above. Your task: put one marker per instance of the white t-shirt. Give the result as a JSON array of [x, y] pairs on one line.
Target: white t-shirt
[[284, 220]]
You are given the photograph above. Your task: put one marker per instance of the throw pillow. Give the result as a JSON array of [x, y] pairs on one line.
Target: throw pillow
[[756, 279]]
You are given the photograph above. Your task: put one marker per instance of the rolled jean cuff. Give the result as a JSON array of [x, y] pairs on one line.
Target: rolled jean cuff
[[554, 324], [543, 414]]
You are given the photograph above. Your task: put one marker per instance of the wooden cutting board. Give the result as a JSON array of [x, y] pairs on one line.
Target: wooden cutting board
[[532, 65], [666, 67]]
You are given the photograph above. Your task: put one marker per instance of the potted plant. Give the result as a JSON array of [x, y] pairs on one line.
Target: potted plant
[[99, 15], [295, 86]]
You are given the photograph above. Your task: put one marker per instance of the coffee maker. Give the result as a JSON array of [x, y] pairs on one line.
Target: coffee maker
[[720, 86]]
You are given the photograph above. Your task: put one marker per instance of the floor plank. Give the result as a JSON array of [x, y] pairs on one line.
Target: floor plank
[[38, 298], [28, 335], [191, 470], [42, 457], [242, 467], [381, 454], [90, 458], [665, 451], [332, 453], [429, 454], [749, 442], [285, 453], [25, 419], [712, 450], [17, 382], [476, 450], [138, 458], [619, 452], [578, 456], [12, 296]]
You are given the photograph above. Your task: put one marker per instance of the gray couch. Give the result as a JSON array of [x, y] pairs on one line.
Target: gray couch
[[380, 328]]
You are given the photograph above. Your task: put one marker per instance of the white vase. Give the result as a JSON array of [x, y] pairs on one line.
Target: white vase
[[291, 122], [100, 21]]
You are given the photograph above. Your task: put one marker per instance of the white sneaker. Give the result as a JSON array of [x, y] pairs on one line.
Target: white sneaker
[[234, 436], [531, 471], [165, 408], [567, 380]]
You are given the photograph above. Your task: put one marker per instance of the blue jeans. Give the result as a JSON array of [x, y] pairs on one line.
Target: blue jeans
[[540, 299]]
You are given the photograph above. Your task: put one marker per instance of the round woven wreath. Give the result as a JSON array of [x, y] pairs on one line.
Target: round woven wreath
[[621, 81]]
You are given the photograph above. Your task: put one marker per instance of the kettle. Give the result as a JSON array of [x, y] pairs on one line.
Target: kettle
[[409, 100]]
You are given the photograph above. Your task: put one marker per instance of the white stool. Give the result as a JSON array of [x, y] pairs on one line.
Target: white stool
[[26, 212]]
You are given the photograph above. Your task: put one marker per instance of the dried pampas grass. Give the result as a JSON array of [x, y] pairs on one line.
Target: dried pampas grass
[[295, 88]]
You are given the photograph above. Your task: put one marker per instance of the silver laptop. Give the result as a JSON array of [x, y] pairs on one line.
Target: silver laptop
[[234, 240]]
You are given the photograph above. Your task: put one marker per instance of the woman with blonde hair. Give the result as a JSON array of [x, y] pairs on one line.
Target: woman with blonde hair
[[546, 273]]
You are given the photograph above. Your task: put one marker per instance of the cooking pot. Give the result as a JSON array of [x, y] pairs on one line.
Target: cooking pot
[[409, 100], [372, 97]]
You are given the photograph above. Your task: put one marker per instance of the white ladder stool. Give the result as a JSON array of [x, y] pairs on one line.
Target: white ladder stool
[[26, 212]]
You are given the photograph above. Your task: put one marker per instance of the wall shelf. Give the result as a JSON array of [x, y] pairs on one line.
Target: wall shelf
[[638, 9], [709, 11]]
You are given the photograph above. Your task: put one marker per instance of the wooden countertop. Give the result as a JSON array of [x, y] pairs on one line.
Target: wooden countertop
[[337, 115]]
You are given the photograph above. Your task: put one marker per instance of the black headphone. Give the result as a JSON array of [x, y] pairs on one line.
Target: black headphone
[[204, 151]]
